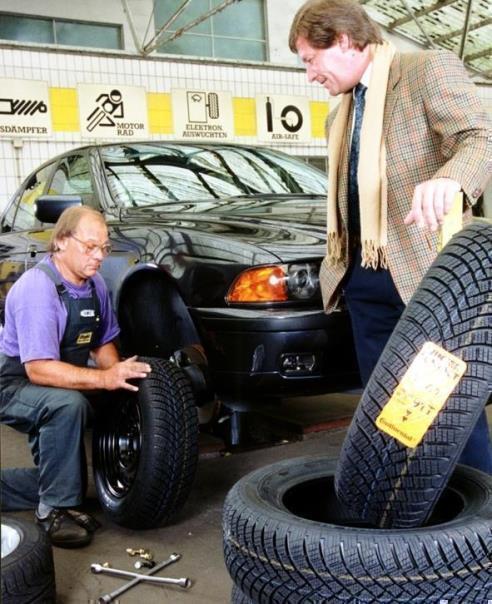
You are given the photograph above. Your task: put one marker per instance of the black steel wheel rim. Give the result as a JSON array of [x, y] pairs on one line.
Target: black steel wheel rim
[[120, 447]]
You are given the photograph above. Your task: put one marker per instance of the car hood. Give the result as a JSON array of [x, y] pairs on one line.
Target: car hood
[[284, 227]]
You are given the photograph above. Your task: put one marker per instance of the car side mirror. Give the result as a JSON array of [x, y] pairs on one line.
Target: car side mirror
[[49, 207]]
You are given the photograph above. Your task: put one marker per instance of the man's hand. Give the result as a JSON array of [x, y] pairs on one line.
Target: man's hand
[[59, 374], [117, 375], [431, 201]]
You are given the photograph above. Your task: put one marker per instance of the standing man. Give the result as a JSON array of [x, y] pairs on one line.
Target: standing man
[[408, 135], [57, 316]]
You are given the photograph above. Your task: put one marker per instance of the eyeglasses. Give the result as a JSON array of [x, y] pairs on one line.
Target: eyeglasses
[[90, 248]]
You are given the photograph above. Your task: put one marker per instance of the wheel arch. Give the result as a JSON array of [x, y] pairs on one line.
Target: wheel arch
[[153, 315]]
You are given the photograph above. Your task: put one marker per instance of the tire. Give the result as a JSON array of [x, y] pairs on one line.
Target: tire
[[287, 540], [145, 449], [28, 573], [237, 596], [382, 481]]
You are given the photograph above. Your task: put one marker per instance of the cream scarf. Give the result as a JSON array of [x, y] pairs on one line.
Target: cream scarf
[[371, 170]]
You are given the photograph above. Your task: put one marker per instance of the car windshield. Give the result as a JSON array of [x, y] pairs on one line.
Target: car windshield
[[148, 174]]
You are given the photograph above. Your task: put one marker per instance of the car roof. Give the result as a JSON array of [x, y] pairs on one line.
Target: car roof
[[178, 143]]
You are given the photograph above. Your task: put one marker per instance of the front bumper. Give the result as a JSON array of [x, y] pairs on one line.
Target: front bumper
[[270, 353]]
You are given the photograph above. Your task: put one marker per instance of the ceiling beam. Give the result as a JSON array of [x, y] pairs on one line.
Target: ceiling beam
[[458, 32], [478, 55], [420, 13], [418, 23], [465, 29], [159, 39]]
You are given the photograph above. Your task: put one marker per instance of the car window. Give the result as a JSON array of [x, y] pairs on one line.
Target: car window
[[72, 177], [8, 217], [24, 218], [148, 174]]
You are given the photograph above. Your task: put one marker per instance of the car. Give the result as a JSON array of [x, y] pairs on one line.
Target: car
[[215, 261]]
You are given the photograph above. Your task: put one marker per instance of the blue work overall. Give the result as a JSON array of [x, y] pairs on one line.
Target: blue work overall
[[53, 418]]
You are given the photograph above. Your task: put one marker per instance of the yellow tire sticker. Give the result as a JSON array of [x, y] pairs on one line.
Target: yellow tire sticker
[[421, 394]]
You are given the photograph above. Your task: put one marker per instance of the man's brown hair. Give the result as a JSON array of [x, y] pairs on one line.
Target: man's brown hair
[[68, 222], [321, 22]]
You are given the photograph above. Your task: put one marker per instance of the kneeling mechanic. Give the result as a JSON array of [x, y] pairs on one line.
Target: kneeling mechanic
[[58, 315]]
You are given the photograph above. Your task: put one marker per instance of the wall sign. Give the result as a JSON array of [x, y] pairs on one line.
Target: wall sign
[[202, 114], [112, 111], [282, 118], [24, 108]]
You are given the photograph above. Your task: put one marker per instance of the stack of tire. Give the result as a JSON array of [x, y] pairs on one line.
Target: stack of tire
[[28, 574], [387, 523]]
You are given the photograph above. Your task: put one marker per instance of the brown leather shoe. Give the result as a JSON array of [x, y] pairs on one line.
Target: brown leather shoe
[[63, 530]]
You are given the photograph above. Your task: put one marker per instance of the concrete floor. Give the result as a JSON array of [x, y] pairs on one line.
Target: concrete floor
[[318, 422]]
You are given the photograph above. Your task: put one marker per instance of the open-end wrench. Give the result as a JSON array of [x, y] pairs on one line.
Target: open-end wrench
[[121, 590], [99, 568]]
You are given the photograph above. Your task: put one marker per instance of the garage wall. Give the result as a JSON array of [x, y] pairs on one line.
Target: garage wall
[[63, 69]]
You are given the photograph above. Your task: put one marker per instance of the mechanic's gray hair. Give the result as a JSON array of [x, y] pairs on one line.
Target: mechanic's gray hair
[[68, 222]]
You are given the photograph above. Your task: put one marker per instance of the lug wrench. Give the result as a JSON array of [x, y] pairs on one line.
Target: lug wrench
[[121, 590], [98, 568]]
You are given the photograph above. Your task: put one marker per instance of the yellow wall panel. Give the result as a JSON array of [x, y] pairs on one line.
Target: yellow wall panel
[[160, 113], [319, 113], [244, 116], [64, 110]]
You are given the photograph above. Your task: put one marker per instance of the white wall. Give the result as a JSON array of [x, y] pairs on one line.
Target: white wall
[[278, 27]]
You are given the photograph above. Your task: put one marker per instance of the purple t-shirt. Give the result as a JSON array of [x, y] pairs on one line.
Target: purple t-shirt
[[36, 317]]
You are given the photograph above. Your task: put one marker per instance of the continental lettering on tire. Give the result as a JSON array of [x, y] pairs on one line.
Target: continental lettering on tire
[[421, 394]]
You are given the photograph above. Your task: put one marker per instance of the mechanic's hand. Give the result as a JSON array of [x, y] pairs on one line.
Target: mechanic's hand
[[116, 376], [431, 201]]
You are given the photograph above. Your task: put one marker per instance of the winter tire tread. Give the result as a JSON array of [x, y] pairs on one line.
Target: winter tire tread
[[381, 480], [169, 454], [28, 575]]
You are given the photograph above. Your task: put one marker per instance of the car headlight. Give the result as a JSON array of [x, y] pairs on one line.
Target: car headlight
[[303, 281], [275, 283]]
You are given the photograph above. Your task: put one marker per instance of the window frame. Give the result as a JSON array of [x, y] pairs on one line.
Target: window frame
[[212, 37], [54, 20]]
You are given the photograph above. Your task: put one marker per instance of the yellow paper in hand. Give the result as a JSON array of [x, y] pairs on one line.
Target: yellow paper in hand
[[452, 223]]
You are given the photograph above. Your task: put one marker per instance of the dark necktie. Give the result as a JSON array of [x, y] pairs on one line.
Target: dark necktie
[[353, 188]]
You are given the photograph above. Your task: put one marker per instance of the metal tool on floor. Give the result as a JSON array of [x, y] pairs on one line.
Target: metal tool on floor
[[144, 564], [116, 572], [138, 578], [141, 552], [145, 555]]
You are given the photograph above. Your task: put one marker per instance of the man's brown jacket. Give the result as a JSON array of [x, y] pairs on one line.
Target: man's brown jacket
[[434, 126]]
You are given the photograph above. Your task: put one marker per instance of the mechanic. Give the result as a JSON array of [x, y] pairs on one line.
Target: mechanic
[[58, 315], [408, 134]]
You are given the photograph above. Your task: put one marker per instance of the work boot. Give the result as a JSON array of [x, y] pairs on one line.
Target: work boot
[[85, 520], [63, 530]]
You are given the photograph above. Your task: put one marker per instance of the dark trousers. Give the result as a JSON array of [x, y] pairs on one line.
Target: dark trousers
[[375, 306], [54, 420]]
